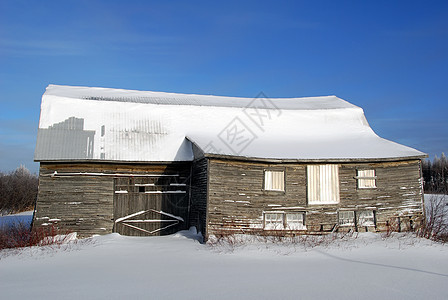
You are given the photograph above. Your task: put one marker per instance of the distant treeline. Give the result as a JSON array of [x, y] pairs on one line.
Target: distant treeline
[[435, 174], [18, 191]]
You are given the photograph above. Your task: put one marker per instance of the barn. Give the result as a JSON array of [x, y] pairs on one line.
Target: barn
[[151, 163]]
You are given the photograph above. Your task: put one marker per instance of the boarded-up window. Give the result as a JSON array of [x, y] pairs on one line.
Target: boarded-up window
[[347, 217], [323, 184], [274, 180], [295, 221], [366, 218], [366, 179], [273, 221]]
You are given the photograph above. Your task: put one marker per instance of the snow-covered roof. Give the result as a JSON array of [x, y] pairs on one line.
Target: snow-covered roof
[[103, 124]]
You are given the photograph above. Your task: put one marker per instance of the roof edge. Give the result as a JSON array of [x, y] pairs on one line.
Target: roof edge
[[103, 161], [319, 160], [244, 158], [170, 98]]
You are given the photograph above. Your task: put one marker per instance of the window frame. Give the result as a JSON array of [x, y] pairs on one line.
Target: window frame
[[265, 171], [364, 222], [282, 223], [276, 225], [353, 223], [361, 178], [301, 225]]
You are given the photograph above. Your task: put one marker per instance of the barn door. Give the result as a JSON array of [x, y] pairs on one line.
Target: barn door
[[150, 205]]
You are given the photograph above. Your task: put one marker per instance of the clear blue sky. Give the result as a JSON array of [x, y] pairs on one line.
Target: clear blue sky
[[389, 57]]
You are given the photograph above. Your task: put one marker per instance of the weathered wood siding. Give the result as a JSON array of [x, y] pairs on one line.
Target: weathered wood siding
[[199, 191], [88, 203], [78, 203], [237, 199]]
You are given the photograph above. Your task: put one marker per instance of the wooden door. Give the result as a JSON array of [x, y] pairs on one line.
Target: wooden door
[[154, 204]]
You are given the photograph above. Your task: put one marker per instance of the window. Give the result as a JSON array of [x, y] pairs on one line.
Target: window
[[274, 180], [295, 221], [323, 184], [366, 218], [281, 220], [366, 179], [273, 221], [347, 218]]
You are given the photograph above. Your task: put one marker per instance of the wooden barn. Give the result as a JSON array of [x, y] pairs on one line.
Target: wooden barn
[[151, 163]]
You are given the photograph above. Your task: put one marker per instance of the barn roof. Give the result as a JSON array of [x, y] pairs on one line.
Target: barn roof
[[103, 124]]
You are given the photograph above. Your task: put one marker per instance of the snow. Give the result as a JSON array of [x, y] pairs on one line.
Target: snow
[[429, 198], [135, 126], [24, 218], [161, 98], [369, 266], [436, 206], [59, 239], [24, 213]]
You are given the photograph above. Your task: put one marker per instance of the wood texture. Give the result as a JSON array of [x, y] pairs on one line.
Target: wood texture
[[199, 195], [217, 196], [89, 205], [237, 201]]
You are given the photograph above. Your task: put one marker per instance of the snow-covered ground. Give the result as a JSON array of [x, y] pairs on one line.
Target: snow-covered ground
[[24, 218], [431, 198], [369, 266], [364, 266]]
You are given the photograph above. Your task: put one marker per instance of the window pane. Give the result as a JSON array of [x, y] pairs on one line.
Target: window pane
[[313, 184], [273, 221], [366, 179], [294, 221], [366, 218], [347, 218], [274, 180], [323, 184]]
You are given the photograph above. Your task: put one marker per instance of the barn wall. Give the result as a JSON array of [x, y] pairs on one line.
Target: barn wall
[[199, 190], [88, 203], [237, 199]]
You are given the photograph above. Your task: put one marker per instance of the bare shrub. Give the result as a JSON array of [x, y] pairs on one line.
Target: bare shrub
[[19, 235], [228, 241], [18, 191], [435, 226], [392, 225]]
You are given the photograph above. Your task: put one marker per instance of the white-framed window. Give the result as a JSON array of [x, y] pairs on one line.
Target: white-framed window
[[323, 184], [346, 217], [274, 180], [282, 220], [295, 221], [366, 218], [273, 221], [366, 179]]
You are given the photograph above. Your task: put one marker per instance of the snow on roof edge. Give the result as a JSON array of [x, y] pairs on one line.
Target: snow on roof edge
[[168, 98], [413, 154]]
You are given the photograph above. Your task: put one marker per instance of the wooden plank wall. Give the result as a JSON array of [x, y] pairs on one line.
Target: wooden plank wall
[[82, 204], [168, 193], [237, 200], [85, 204], [199, 190]]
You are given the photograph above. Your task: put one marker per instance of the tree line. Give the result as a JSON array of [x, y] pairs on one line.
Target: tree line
[[18, 190], [435, 174]]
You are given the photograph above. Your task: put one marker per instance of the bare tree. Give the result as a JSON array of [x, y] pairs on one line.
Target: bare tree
[[435, 175], [18, 190]]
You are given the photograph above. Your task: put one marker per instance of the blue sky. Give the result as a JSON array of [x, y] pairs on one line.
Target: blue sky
[[389, 57]]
